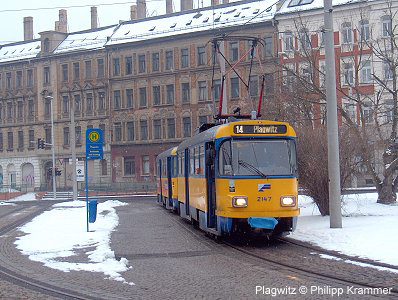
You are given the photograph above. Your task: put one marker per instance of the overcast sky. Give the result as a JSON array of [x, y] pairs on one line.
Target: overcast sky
[[11, 22]]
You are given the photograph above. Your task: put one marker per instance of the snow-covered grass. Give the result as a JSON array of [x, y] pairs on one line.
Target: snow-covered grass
[[369, 229], [25, 197], [57, 236]]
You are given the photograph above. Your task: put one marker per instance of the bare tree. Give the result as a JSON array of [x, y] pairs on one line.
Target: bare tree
[[368, 86]]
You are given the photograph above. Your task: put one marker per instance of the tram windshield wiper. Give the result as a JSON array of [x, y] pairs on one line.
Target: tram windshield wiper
[[251, 168]]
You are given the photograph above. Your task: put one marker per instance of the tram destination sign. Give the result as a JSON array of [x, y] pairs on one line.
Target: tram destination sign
[[260, 129]]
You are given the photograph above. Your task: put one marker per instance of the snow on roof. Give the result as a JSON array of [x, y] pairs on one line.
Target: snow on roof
[[292, 6], [17, 51], [195, 21], [85, 40]]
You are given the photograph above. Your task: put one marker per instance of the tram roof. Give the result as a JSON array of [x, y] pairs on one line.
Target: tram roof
[[168, 152]]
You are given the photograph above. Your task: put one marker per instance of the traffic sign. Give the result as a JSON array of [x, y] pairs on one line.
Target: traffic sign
[[80, 170], [94, 143]]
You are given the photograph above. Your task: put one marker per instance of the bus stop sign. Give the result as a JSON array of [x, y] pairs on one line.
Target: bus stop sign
[[94, 143]]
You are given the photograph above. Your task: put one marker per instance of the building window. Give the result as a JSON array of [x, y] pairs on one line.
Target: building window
[[129, 166], [1, 141], [130, 131], [217, 89], [87, 67], [233, 51], [78, 135], [144, 130], [386, 26], [156, 95], [141, 64], [118, 132], [201, 56], [8, 81], [171, 128], [253, 86], [202, 89], [65, 73], [65, 104], [20, 110], [129, 95], [46, 75], [9, 111], [143, 97], [186, 93], [367, 113], [66, 136], [47, 108], [234, 87], [104, 167], [305, 39], [145, 165], [388, 74], [29, 76], [366, 72], [157, 129], [31, 139], [202, 120], [20, 140], [19, 79], [100, 68], [155, 62], [47, 134], [346, 33], [78, 103], [129, 65], [116, 100], [288, 41], [170, 93], [10, 141], [184, 58], [169, 60], [269, 46], [364, 30], [116, 67], [186, 123], [31, 108], [101, 101], [89, 103], [348, 73], [76, 71]]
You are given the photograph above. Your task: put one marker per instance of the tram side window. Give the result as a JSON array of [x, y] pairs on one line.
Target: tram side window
[[175, 165], [183, 165], [225, 161], [202, 159], [192, 161], [197, 165]]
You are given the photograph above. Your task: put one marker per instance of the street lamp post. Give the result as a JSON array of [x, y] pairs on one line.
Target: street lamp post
[[51, 98]]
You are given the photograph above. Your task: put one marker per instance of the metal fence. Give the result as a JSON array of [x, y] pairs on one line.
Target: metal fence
[[116, 187]]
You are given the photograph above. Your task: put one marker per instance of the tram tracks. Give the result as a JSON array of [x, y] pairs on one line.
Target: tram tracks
[[24, 281], [278, 256]]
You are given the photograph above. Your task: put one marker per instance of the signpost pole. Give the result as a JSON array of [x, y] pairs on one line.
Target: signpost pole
[[94, 150], [87, 191]]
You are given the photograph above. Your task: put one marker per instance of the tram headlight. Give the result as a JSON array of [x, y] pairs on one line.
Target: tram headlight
[[288, 201], [239, 201]]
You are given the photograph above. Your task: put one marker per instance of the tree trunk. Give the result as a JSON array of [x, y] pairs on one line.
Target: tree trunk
[[386, 191]]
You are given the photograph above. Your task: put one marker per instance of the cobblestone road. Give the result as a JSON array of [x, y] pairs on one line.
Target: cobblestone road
[[170, 260]]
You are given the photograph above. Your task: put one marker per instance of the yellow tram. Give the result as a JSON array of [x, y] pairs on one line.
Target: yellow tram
[[234, 177]]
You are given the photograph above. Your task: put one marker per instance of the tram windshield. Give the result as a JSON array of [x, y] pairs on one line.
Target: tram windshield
[[258, 158]]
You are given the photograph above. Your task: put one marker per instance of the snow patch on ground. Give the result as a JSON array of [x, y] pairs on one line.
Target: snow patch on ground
[[25, 197], [67, 236], [366, 226]]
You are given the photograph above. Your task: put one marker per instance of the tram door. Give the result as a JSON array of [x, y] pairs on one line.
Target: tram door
[[169, 175], [160, 170], [186, 172], [211, 185]]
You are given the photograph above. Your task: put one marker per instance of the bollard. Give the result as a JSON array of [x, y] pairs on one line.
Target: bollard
[[92, 210]]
